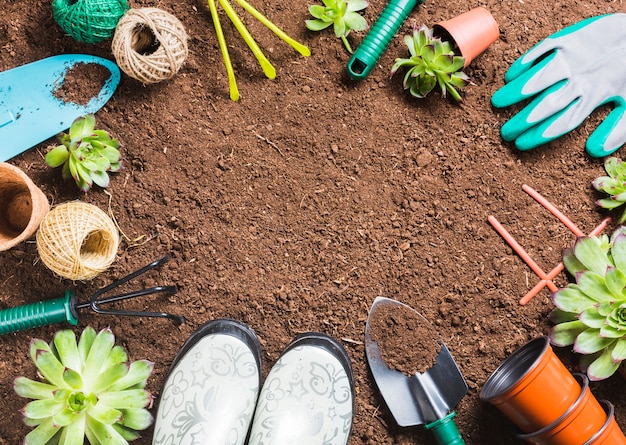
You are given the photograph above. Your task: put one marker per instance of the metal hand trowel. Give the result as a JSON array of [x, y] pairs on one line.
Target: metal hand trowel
[[425, 398], [30, 112]]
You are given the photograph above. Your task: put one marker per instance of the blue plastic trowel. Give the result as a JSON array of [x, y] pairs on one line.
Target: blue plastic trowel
[[30, 112]]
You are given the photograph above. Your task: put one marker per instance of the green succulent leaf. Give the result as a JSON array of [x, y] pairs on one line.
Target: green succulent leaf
[[590, 253], [572, 299], [594, 286], [619, 350], [43, 434], [32, 389], [136, 419], [602, 367], [592, 318], [590, 341], [564, 334]]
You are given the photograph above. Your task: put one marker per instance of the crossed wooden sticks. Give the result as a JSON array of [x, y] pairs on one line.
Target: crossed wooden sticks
[[545, 278]]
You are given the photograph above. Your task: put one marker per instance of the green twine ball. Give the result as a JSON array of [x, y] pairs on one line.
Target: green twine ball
[[89, 21]]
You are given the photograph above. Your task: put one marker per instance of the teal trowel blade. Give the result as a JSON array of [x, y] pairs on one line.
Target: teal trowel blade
[[29, 111]]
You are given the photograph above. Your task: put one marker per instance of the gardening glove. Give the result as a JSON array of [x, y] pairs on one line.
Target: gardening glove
[[569, 75]]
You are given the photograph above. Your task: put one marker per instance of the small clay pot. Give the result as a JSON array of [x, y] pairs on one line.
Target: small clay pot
[[610, 433], [579, 423], [22, 206], [472, 32], [532, 387]]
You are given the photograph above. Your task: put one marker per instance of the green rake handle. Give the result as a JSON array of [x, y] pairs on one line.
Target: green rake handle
[[378, 38], [42, 313]]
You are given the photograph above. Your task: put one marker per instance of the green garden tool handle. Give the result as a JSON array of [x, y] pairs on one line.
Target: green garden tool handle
[[42, 313], [378, 38], [446, 431]]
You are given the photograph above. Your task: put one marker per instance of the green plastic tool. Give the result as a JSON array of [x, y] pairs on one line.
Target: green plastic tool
[[65, 309], [379, 36]]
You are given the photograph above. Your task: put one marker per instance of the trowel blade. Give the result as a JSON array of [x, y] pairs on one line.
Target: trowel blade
[[423, 397], [29, 111]]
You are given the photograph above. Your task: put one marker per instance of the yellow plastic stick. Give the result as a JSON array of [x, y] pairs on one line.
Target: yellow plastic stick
[[267, 67], [275, 29], [232, 82]]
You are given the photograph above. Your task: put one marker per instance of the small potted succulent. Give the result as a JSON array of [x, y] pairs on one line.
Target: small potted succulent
[[613, 185], [342, 15], [432, 62], [439, 54], [89, 389], [86, 154], [590, 314]]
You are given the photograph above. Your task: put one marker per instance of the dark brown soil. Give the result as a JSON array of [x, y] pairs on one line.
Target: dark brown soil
[[292, 209]]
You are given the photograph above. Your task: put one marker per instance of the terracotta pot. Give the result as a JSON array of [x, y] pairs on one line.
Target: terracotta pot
[[610, 433], [532, 387], [472, 32], [579, 423], [22, 206]]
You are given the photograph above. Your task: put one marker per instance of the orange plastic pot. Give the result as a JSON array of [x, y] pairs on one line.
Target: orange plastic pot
[[532, 387], [610, 433], [579, 423], [472, 32], [22, 206]]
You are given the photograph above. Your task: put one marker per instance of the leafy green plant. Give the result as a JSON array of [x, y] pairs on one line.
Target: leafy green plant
[[86, 154], [341, 14], [591, 313], [614, 185], [433, 62], [89, 389]]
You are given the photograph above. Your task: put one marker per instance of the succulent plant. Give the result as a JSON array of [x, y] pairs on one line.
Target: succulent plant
[[591, 313], [341, 14], [433, 62], [86, 154], [89, 389], [614, 185]]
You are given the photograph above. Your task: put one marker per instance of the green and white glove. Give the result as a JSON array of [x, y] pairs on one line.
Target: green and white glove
[[569, 75]]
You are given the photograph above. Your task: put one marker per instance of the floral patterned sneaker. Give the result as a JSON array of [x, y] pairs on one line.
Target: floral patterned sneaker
[[308, 396], [212, 387]]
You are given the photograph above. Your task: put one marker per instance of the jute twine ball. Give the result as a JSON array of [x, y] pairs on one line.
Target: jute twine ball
[[77, 240], [89, 21], [149, 44]]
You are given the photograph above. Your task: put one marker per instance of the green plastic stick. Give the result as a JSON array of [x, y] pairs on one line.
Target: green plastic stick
[[305, 51], [267, 67], [379, 36], [42, 313], [232, 82]]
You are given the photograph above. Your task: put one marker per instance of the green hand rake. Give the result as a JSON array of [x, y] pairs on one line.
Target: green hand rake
[[65, 309]]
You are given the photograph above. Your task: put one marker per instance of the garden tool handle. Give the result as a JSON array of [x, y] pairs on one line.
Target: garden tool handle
[[42, 313], [378, 37], [446, 431]]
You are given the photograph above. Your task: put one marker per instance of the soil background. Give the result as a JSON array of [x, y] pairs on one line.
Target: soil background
[[292, 209]]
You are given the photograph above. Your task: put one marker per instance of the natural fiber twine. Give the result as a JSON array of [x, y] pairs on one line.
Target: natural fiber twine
[[77, 240], [22, 206], [131, 46], [89, 21]]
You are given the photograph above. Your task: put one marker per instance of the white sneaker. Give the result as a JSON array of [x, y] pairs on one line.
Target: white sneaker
[[308, 396], [212, 387]]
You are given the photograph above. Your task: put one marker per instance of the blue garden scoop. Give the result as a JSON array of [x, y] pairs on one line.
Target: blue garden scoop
[[30, 112]]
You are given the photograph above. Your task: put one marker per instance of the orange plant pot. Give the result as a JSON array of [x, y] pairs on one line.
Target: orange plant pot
[[610, 433], [581, 421], [532, 387], [472, 32], [22, 206]]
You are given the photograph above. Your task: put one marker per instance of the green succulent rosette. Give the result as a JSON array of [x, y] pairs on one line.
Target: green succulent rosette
[[590, 314], [89, 389], [341, 14], [433, 62], [613, 185], [86, 154]]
